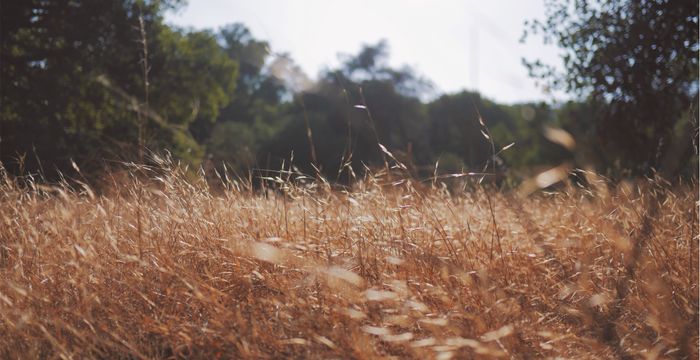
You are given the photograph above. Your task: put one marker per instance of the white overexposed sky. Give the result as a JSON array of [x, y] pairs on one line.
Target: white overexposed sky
[[458, 44]]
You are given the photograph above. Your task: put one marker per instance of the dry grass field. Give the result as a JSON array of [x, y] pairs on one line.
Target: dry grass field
[[159, 266]]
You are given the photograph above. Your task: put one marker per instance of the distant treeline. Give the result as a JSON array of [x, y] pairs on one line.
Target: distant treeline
[[95, 82]]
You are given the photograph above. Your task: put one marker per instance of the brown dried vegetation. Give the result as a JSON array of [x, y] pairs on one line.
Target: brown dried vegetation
[[163, 267]]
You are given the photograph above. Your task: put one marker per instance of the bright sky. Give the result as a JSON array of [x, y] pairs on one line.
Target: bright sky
[[458, 44]]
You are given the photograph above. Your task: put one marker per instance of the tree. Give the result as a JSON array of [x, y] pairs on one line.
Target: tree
[[342, 130], [637, 61], [255, 113], [71, 82], [455, 132]]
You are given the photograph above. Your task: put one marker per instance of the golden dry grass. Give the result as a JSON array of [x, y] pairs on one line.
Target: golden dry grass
[[165, 267]]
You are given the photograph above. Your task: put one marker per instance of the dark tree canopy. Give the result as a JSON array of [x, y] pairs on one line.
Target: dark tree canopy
[[72, 85], [637, 60], [73, 88]]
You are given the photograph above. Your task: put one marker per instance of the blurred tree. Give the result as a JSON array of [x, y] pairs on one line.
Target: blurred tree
[[72, 84], [338, 109], [637, 64], [454, 127], [223, 96], [192, 80], [532, 150], [455, 131], [255, 113]]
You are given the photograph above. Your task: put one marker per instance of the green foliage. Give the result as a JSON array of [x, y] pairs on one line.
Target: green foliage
[[192, 76], [350, 110], [222, 98], [233, 143], [256, 112], [455, 130], [455, 127], [74, 93], [637, 64], [450, 163]]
